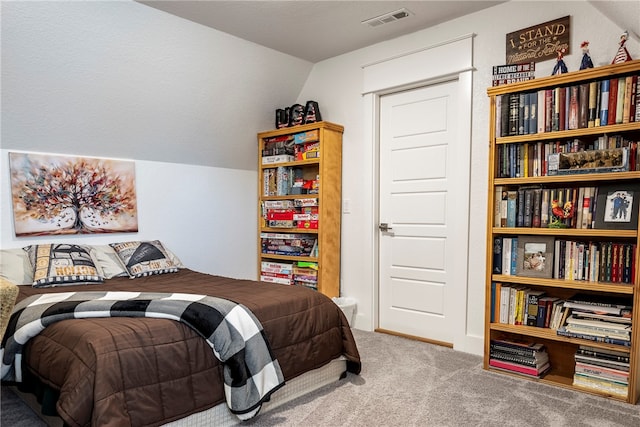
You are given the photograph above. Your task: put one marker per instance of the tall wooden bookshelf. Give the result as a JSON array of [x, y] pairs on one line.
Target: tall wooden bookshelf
[[561, 349], [316, 162]]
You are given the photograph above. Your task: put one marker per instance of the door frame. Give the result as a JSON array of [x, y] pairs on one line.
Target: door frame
[[453, 61]]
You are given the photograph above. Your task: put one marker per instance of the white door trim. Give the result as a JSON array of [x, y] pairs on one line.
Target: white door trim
[[441, 62]]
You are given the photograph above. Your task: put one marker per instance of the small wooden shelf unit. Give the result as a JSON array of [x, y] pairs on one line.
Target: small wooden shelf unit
[[327, 170]]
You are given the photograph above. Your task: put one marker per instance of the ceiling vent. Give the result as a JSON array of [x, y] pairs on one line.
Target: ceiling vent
[[388, 17]]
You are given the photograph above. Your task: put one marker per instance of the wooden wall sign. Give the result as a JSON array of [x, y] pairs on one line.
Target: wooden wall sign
[[539, 43]]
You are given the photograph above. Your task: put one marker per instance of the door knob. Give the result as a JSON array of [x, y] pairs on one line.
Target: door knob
[[384, 227]]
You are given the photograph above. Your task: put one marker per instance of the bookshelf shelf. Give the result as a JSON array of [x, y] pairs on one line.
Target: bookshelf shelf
[[323, 173], [549, 335], [566, 232], [612, 176], [566, 284], [522, 182]]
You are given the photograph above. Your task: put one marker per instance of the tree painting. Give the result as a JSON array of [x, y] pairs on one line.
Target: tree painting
[[72, 195]]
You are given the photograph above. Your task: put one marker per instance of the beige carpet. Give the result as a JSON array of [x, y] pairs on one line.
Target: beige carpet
[[408, 383]]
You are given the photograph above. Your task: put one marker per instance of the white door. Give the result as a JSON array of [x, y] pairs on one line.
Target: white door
[[423, 255]]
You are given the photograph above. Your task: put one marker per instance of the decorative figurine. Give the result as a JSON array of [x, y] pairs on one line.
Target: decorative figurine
[[623, 54], [586, 58], [560, 67]]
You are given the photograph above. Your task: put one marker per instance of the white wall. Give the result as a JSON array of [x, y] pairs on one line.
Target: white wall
[[337, 85], [122, 79], [205, 215]]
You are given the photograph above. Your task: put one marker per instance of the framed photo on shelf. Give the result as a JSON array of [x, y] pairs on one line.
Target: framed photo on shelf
[[535, 256], [617, 206]]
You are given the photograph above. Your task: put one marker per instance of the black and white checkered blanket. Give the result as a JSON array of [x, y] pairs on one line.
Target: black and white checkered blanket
[[236, 336]]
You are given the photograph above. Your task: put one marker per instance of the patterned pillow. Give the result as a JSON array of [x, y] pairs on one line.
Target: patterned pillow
[[62, 264], [144, 258]]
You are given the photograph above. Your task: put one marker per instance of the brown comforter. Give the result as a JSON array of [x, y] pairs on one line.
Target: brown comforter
[[141, 371]]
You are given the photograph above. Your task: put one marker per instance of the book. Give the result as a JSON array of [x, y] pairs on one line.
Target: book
[[612, 101], [505, 292], [583, 105], [506, 255], [604, 102], [537, 208], [533, 112], [503, 208], [549, 109], [573, 107], [533, 297], [605, 332], [512, 199], [541, 111], [520, 369], [504, 115], [601, 304], [544, 208], [514, 110], [613, 388], [496, 288], [519, 347], [544, 306], [589, 354], [537, 361], [589, 315], [497, 255], [591, 114], [626, 110], [608, 340]]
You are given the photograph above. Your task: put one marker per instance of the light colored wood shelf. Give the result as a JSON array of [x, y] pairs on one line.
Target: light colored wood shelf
[[582, 285], [561, 349], [561, 179], [288, 230], [328, 167], [564, 232]]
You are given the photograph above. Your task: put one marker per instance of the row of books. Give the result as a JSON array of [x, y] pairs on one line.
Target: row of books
[[298, 213], [602, 370], [590, 104], [299, 273], [598, 318], [537, 207], [523, 358], [520, 305], [293, 244], [605, 154], [602, 319], [612, 262], [592, 261]]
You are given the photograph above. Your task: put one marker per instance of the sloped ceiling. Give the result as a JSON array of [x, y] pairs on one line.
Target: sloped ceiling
[[317, 30]]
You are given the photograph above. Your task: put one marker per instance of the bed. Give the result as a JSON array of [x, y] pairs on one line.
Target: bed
[[121, 370]]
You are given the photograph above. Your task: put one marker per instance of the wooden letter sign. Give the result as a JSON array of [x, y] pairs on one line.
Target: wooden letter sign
[[539, 43]]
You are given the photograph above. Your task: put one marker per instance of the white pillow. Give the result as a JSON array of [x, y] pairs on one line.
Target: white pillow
[[109, 262], [15, 266], [144, 258]]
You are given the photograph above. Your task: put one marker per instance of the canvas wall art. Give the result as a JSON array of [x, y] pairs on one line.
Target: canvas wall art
[[55, 194]]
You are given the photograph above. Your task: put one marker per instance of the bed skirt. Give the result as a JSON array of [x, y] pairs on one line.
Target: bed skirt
[[219, 415]]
